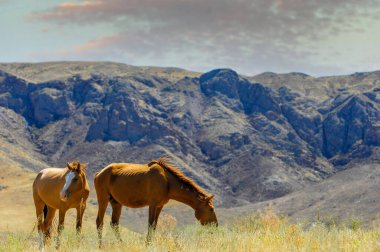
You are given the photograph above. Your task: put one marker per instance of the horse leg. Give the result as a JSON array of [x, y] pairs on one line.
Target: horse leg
[[154, 212], [39, 204], [116, 212], [156, 215], [48, 221], [80, 212], [102, 206], [62, 213]]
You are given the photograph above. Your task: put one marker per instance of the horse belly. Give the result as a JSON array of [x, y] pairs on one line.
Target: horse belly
[[135, 191], [133, 202], [130, 193]]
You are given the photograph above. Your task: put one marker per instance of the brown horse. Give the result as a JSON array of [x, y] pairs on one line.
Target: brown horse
[[59, 188], [152, 184]]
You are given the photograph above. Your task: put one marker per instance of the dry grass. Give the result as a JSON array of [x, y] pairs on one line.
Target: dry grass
[[16, 204], [260, 232]]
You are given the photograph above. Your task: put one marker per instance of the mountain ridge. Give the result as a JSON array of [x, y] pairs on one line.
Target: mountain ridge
[[247, 139]]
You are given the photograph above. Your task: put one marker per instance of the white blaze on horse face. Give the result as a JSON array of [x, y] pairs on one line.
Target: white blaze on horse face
[[69, 177]]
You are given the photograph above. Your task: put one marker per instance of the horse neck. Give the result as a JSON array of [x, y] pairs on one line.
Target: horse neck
[[84, 182], [179, 192]]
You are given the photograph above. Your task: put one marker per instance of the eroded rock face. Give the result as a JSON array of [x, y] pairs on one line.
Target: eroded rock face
[[123, 120], [257, 98], [254, 97], [126, 115], [223, 81], [48, 105], [348, 124], [39, 104], [372, 136], [237, 138], [14, 93], [306, 127], [86, 91]]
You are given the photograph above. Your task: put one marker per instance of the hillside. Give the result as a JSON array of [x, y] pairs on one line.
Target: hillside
[[245, 139], [353, 194]]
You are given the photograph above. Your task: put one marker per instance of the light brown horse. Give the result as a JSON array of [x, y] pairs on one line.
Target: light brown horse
[[152, 184], [59, 188]]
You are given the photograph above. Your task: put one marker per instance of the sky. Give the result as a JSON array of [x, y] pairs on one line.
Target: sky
[[316, 37]]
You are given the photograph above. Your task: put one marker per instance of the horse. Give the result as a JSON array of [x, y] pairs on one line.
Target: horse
[[153, 185], [59, 188]]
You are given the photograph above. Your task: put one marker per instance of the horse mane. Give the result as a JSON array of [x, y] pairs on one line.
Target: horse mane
[[187, 182], [82, 166]]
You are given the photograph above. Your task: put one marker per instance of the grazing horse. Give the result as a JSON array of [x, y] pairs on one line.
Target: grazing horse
[[153, 185], [59, 188]]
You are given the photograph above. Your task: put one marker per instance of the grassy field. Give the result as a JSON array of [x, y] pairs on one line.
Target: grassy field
[[260, 232]]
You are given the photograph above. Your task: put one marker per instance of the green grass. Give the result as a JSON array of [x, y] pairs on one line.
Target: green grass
[[260, 232]]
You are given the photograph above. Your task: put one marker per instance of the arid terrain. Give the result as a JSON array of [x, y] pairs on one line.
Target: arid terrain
[[306, 147]]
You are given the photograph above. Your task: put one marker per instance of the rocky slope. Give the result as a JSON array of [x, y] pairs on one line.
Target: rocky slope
[[246, 139], [349, 196]]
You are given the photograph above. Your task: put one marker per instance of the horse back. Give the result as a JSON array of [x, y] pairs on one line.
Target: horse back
[[119, 170], [50, 176], [47, 185]]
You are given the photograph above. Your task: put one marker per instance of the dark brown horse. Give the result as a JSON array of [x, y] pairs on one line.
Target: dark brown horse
[[59, 188], [153, 185]]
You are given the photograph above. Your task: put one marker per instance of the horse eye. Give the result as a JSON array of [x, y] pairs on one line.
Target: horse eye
[[75, 179]]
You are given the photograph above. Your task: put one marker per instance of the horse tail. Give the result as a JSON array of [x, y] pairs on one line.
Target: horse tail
[[45, 211]]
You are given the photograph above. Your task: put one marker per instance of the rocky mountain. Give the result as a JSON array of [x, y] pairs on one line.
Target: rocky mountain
[[246, 139]]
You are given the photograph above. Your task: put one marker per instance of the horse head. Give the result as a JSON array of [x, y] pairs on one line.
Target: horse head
[[75, 180], [205, 212]]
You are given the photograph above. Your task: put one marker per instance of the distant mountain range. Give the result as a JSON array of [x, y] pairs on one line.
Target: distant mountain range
[[245, 139]]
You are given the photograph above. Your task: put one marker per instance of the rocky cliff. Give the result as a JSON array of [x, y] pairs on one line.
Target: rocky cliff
[[245, 139]]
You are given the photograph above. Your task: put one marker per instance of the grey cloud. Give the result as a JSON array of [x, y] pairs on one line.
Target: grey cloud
[[274, 32]]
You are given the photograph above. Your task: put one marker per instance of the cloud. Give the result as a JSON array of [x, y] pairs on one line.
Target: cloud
[[67, 10], [277, 33], [91, 50], [96, 44], [290, 18]]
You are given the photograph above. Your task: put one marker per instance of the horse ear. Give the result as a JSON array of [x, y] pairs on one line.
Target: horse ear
[[78, 167], [210, 197], [83, 167], [69, 166]]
